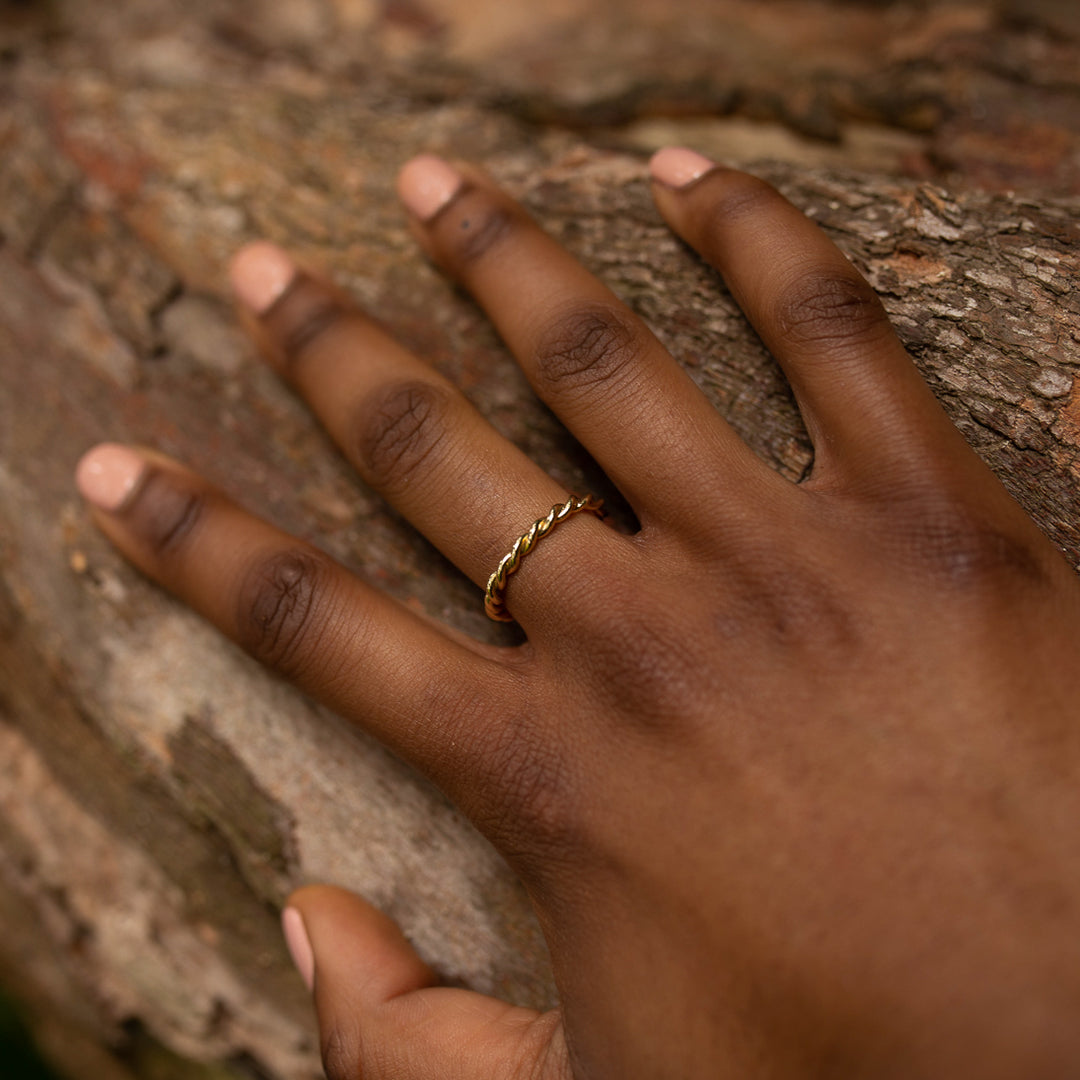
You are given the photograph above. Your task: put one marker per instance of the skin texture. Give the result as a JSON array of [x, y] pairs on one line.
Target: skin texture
[[791, 775]]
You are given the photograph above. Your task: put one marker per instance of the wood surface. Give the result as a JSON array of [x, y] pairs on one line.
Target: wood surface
[[160, 794]]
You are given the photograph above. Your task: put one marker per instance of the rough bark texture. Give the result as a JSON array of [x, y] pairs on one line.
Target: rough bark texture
[[159, 795]]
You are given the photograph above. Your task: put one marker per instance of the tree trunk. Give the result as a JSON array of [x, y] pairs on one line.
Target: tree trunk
[[159, 794]]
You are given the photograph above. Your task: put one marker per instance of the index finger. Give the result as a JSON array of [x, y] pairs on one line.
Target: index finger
[[434, 700]]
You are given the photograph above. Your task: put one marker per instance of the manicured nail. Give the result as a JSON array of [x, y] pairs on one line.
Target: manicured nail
[[107, 475], [678, 167], [260, 273], [426, 184], [292, 923]]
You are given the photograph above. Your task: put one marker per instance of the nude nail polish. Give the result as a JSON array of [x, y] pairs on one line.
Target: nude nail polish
[[427, 184], [296, 938], [260, 273], [678, 167], [107, 475]]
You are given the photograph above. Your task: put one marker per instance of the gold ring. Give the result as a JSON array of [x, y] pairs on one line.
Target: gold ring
[[495, 593]]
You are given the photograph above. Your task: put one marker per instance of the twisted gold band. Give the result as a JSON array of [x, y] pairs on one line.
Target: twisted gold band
[[494, 595]]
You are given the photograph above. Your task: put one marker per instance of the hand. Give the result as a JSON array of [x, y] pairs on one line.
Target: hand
[[791, 775]]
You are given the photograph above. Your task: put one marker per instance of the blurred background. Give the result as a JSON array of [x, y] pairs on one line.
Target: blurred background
[[979, 91]]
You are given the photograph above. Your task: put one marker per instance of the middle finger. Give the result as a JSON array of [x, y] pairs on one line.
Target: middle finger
[[410, 433]]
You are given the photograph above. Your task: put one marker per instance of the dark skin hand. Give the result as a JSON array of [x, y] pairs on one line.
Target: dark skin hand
[[791, 775]]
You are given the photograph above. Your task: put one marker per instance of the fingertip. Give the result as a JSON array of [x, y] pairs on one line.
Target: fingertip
[[427, 184], [299, 945], [374, 1012], [678, 167], [260, 273], [350, 942], [108, 474]]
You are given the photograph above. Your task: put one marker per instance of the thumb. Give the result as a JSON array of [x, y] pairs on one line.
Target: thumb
[[382, 1017]]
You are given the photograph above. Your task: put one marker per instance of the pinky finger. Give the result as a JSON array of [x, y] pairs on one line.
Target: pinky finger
[[381, 1016], [866, 406]]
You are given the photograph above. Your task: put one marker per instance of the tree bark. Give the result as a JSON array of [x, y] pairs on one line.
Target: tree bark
[[160, 795]]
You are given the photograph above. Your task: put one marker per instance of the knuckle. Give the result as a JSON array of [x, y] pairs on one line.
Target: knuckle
[[643, 664], [303, 316], [400, 428], [341, 1052], [956, 548], [531, 805], [794, 607], [167, 512], [631, 645], [830, 307], [478, 225], [282, 608], [730, 196], [586, 346]]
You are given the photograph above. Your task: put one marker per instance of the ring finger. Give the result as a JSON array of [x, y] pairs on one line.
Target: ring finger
[[410, 433], [587, 355]]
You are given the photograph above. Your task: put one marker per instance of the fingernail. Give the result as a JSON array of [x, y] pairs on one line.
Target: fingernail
[[260, 273], [427, 184], [107, 475], [679, 167], [292, 923]]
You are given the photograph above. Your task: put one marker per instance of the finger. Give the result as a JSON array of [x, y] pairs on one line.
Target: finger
[[862, 398], [431, 699], [587, 355], [410, 433], [381, 1017]]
